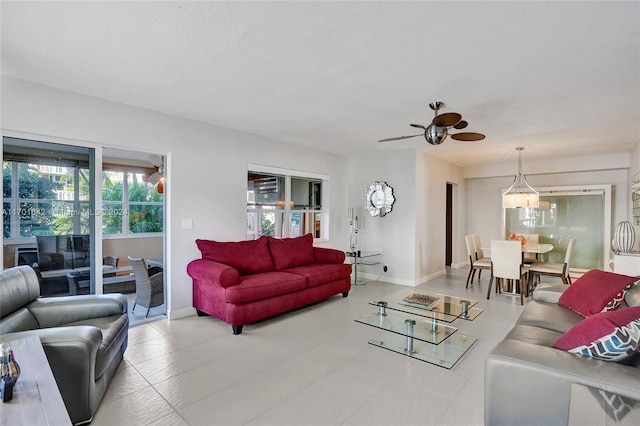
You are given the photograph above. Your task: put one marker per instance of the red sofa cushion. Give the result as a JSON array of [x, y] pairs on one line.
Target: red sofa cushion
[[291, 252], [262, 286], [248, 257], [318, 274], [596, 291], [327, 255]]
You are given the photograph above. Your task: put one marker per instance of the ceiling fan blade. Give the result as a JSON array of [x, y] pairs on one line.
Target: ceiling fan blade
[[399, 138], [447, 119], [460, 125], [154, 178], [419, 126], [468, 136]]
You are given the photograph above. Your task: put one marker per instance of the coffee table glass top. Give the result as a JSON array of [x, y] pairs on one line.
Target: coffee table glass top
[[446, 354], [423, 329], [431, 305]]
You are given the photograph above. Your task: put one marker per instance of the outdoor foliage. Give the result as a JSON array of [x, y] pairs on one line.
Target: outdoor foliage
[[53, 216], [35, 218]]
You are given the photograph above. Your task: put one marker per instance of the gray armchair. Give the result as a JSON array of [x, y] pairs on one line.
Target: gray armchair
[[149, 284], [84, 337]]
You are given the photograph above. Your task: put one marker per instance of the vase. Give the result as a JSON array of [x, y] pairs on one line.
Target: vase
[[624, 237], [9, 372]]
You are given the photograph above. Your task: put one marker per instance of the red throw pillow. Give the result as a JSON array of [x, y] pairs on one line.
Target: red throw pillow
[[611, 336], [291, 252], [596, 291], [248, 257]]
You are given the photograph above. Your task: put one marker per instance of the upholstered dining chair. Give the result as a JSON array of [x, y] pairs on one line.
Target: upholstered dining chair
[[475, 264], [477, 244], [149, 284], [532, 239], [552, 269], [506, 263]]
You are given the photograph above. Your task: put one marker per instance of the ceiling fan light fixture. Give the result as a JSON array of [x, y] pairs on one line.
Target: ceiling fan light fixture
[[435, 135], [520, 194], [436, 132]]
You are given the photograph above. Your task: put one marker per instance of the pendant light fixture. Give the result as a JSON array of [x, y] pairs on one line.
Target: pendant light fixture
[[520, 193]]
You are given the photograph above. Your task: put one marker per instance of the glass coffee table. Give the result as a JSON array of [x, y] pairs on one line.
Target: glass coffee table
[[417, 324]]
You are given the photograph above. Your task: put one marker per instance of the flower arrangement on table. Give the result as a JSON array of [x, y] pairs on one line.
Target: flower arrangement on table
[[512, 236]]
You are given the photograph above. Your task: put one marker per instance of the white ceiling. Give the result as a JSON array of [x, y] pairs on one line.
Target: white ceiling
[[560, 78]]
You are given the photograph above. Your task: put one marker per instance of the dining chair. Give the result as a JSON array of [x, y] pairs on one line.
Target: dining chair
[[480, 255], [506, 263], [475, 264], [532, 239], [552, 269], [149, 284]]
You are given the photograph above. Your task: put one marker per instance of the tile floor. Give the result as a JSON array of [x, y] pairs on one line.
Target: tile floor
[[312, 366]]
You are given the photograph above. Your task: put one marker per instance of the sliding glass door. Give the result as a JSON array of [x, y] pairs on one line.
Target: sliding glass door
[[48, 200], [564, 213]]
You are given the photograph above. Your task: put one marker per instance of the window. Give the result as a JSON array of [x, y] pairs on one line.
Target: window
[[40, 199], [283, 205], [130, 204]]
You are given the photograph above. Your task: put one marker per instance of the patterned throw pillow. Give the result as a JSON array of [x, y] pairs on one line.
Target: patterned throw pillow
[[610, 336], [616, 406], [632, 297], [596, 291]]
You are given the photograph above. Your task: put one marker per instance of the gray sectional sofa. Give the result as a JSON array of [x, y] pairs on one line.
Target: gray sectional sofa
[[528, 382]]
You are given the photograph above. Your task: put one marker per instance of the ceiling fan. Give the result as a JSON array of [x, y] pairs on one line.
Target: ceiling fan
[[157, 178], [436, 132]]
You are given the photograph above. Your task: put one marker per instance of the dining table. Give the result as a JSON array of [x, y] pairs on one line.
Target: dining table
[[540, 248]]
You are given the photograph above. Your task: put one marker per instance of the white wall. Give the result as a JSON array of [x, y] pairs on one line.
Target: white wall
[[394, 234], [206, 165], [432, 177], [412, 237]]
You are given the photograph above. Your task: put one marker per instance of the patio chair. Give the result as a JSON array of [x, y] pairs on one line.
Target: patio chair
[[149, 284]]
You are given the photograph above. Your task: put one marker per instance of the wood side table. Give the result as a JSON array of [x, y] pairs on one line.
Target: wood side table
[[36, 397]]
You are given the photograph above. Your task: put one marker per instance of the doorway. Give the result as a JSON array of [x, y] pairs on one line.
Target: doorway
[[449, 226], [53, 206]]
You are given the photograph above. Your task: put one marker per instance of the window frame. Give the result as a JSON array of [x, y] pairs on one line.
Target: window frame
[[287, 210]]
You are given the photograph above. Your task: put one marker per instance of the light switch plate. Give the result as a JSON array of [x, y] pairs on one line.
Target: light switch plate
[[187, 223]]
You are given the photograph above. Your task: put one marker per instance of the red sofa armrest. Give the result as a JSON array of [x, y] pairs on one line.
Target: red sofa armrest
[[213, 272], [327, 255]]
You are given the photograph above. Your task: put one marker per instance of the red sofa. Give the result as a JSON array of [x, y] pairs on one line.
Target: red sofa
[[246, 281]]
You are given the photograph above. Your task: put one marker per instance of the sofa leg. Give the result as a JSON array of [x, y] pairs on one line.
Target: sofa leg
[[237, 329], [201, 314], [345, 293]]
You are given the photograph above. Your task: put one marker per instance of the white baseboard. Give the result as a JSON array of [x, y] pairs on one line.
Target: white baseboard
[[181, 313]]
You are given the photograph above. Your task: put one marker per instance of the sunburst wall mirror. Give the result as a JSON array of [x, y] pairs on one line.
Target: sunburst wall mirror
[[379, 199]]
